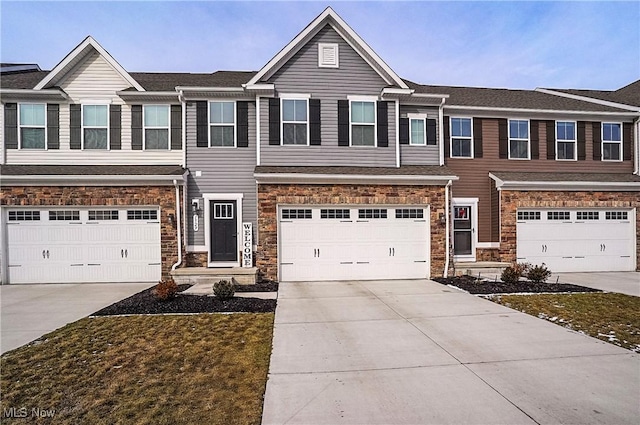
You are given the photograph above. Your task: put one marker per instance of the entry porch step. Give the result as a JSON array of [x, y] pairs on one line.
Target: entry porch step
[[488, 269], [195, 275]]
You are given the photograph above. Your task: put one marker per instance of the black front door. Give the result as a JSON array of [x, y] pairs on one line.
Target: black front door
[[224, 231]]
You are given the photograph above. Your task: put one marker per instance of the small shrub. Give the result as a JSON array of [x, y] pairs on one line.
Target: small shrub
[[224, 289], [512, 274], [166, 289], [538, 274]]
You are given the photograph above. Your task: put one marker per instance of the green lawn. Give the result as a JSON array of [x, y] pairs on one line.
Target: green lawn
[[614, 318], [205, 368]]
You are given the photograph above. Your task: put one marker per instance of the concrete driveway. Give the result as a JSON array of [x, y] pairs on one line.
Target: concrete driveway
[[417, 352], [622, 282], [30, 311]]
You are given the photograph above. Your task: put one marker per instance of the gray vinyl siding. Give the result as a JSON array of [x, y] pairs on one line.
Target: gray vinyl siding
[[420, 155], [302, 75], [224, 170]]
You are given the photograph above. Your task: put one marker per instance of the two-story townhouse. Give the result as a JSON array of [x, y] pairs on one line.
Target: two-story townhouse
[[91, 172]]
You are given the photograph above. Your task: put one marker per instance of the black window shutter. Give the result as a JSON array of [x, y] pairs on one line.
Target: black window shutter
[[11, 125], [136, 127], [383, 124], [582, 141], [404, 131], [242, 112], [53, 126], [535, 139], [503, 139], [315, 130], [477, 138], [343, 123], [115, 126], [274, 121], [202, 125], [75, 126], [431, 132], [626, 141], [176, 127], [551, 140], [597, 140], [447, 137]]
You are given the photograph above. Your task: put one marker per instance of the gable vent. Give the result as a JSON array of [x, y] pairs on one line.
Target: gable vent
[[328, 55]]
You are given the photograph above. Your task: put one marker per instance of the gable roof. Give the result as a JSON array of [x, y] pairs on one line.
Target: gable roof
[[76, 56], [169, 81], [329, 16]]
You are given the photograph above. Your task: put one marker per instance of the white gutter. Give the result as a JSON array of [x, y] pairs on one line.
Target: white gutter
[[178, 228], [397, 134], [257, 130], [31, 92], [217, 89], [441, 140], [538, 111], [263, 178], [446, 238], [129, 93], [564, 185]]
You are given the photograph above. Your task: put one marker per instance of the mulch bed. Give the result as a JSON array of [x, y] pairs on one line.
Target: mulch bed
[[486, 287], [145, 302], [266, 286]]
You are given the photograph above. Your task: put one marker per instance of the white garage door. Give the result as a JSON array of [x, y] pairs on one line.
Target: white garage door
[[83, 245], [344, 243], [577, 240]]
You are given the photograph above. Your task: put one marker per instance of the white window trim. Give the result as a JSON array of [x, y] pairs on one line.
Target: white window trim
[[235, 124], [528, 139], [108, 127], [168, 128], [321, 62], [473, 203], [602, 142], [423, 118], [374, 100], [574, 141], [20, 126], [294, 96], [451, 137], [207, 197]]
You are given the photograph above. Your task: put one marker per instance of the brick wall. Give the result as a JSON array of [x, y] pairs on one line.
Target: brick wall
[[272, 195], [512, 200], [120, 196]]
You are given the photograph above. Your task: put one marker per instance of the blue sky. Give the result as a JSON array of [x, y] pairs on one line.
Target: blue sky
[[488, 44]]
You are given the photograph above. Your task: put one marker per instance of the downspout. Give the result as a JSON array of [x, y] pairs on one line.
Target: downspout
[[184, 127], [178, 226], [257, 130], [636, 167], [397, 133], [441, 132], [446, 238]]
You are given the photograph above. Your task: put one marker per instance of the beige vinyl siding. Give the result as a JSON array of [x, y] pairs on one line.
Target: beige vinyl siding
[[224, 170], [302, 75], [420, 155], [474, 173]]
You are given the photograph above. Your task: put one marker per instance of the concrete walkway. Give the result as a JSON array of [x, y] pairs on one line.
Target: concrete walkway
[[30, 311], [417, 352], [622, 282]]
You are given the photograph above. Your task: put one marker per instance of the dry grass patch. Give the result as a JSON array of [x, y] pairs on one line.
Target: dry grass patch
[[205, 368], [614, 318]]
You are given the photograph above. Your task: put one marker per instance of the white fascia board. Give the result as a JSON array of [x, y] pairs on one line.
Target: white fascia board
[[128, 93], [295, 178], [565, 186], [431, 95], [588, 99], [394, 92], [45, 93], [187, 89], [89, 41], [259, 87], [95, 180], [538, 111]]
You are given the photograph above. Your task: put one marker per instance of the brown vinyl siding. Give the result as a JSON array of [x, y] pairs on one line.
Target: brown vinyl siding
[[474, 173]]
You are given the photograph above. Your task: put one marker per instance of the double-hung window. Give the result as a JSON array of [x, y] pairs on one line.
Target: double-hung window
[[295, 122], [519, 139], [566, 140], [363, 123], [32, 126], [611, 141], [222, 122], [156, 127], [417, 130], [95, 126], [461, 140]]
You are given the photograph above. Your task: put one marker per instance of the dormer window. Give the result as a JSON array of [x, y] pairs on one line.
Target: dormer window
[[328, 55]]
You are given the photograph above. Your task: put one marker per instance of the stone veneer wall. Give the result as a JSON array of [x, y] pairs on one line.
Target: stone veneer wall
[[118, 196], [272, 195], [512, 200]]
